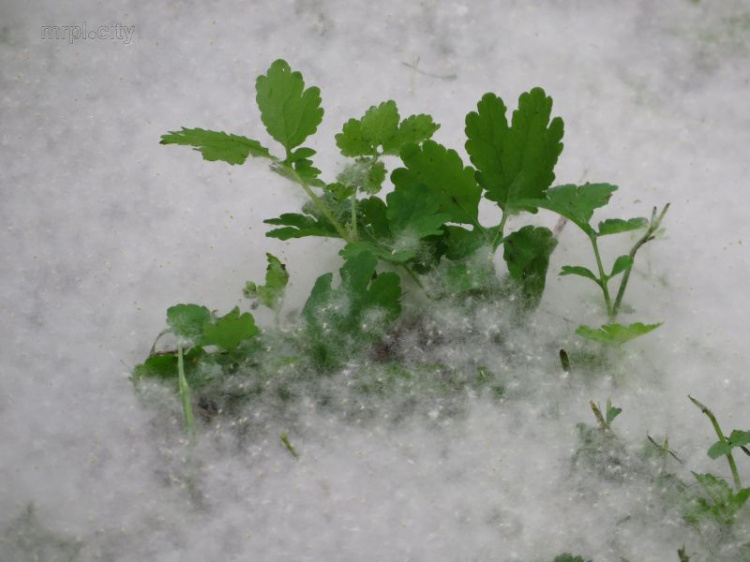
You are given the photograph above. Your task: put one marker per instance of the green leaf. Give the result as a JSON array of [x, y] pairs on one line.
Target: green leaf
[[163, 366], [228, 331], [352, 142], [380, 123], [616, 333], [290, 112], [379, 127], [580, 271], [214, 145], [615, 226], [415, 212], [415, 129], [373, 216], [442, 172], [299, 226], [736, 439], [462, 243], [365, 174], [355, 313], [621, 264], [187, 321], [612, 412], [576, 203], [527, 252], [299, 170], [514, 162], [277, 278]]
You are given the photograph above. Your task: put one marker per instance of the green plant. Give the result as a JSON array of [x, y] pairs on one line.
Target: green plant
[[427, 227], [720, 502]]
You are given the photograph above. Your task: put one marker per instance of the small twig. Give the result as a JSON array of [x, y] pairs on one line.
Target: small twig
[[288, 445]]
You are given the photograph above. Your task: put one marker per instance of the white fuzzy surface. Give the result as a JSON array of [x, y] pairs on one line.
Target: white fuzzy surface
[[103, 229]]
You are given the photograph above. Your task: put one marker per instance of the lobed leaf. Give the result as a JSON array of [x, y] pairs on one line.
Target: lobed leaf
[[228, 331], [298, 226], [576, 203], [442, 172], [616, 333], [415, 129], [380, 128], [290, 112], [214, 145], [514, 162]]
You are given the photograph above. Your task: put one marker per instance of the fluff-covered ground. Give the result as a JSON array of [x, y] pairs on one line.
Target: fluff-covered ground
[[103, 229]]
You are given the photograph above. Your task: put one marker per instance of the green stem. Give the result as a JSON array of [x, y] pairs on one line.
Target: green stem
[[500, 229], [603, 281], [722, 439], [318, 202], [647, 237], [187, 407]]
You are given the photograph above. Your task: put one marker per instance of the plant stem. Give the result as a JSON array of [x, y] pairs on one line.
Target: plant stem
[[647, 237], [187, 407], [500, 229], [318, 202], [722, 439], [603, 280]]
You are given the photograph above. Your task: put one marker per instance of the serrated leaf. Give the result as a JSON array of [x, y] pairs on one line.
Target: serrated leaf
[[299, 226], [616, 333], [187, 321], [580, 271], [621, 264], [442, 172], [514, 162], [277, 278], [576, 203], [352, 142], [415, 129], [736, 439], [290, 112], [615, 226], [228, 331], [415, 212], [527, 252], [380, 123], [214, 145]]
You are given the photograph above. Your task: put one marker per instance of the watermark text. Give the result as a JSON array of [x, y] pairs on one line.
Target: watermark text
[[73, 33]]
